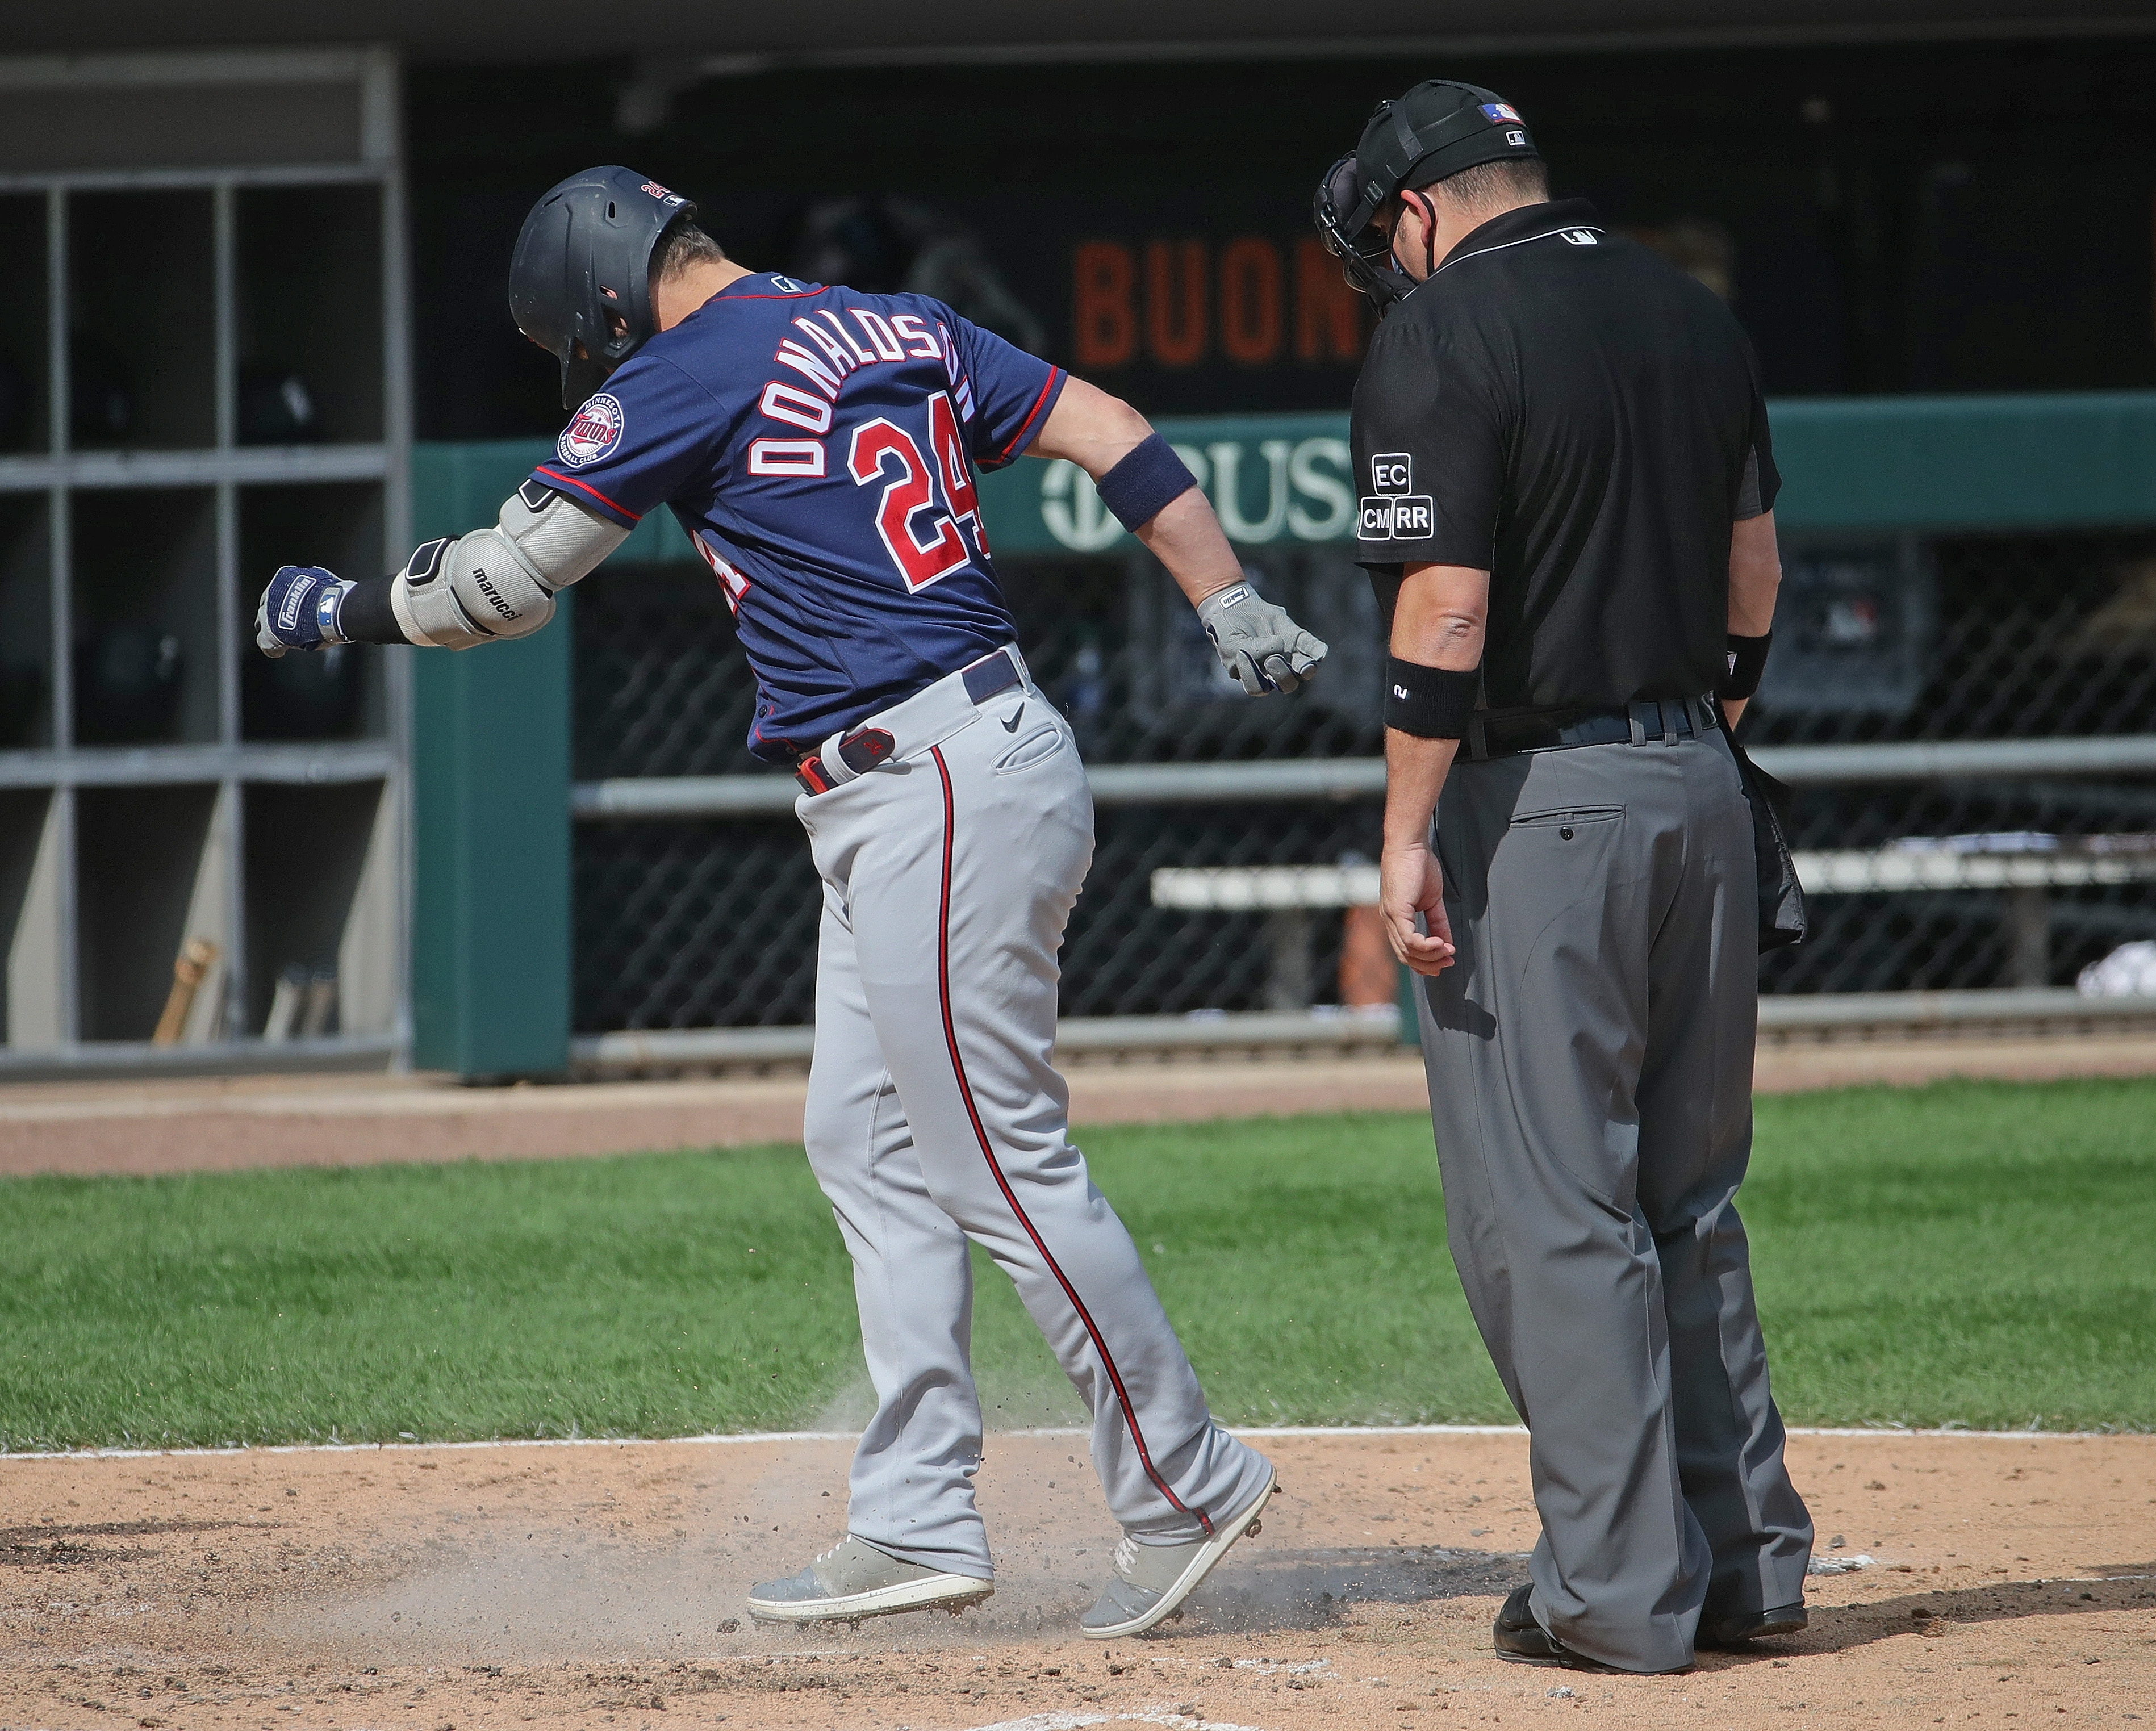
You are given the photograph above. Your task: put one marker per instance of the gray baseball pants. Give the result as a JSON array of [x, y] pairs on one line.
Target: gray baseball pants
[[1590, 1077], [934, 1116]]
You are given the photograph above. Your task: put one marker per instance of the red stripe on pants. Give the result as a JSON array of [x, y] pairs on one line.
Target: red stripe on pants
[[988, 1153]]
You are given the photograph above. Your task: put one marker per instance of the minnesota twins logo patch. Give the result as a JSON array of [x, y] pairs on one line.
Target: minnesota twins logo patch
[[594, 433]]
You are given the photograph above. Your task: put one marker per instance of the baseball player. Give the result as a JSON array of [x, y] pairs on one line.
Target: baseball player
[[821, 446]]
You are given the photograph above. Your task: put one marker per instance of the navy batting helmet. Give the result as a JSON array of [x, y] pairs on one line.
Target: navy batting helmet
[[582, 260]]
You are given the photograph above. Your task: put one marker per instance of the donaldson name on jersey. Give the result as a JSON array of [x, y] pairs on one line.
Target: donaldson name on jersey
[[819, 447]]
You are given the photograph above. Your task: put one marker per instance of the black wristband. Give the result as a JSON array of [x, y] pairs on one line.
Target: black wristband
[[1149, 478], [1742, 666], [1429, 702], [367, 616]]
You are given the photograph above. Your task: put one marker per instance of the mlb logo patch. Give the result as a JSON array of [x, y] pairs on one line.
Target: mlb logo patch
[[1518, 141], [592, 436], [1501, 111]]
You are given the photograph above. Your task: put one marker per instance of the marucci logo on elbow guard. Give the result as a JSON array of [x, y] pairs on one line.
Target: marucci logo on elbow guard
[[494, 596]]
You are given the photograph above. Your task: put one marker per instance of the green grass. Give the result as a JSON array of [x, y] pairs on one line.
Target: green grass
[[1968, 1252]]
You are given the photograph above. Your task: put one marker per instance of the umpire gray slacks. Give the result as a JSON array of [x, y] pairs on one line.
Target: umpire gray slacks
[[1590, 1078]]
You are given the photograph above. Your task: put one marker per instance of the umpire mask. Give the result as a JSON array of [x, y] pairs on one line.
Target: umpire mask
[[583, 259], [1436, 129]]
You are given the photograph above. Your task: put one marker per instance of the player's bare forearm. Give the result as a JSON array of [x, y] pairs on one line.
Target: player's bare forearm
[[1096, 431], [1187, 538], [1154, 495], [1755, 578], [1439, 621]]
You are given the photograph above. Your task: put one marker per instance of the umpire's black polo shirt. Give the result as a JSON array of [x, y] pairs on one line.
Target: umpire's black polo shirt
[[1569, 412]]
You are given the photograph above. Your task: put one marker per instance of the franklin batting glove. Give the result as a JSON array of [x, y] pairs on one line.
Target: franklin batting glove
[[1259, 646], [298, 610]]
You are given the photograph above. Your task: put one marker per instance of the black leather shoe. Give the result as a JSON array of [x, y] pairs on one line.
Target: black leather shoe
[[1519, 1640], [1739, 1627]]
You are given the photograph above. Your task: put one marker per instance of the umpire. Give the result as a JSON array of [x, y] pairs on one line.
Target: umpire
[[1568, 512]]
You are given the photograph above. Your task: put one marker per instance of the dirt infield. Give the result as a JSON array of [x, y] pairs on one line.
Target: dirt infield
[[2010, 1579], [149, 1127]]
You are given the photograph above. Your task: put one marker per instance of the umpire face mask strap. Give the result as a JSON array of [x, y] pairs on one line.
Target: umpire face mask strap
[[1411, 148], [1427, 215]]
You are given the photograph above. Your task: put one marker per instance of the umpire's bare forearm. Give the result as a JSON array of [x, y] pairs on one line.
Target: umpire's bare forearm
[[1439, 620], [1755, 578], [1415, 770]]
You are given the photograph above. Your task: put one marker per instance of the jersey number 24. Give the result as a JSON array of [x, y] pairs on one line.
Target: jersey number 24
[[925, 543]]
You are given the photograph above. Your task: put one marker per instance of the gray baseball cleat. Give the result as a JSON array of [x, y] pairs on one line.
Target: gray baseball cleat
[[1151, 1581], [854, 1579]]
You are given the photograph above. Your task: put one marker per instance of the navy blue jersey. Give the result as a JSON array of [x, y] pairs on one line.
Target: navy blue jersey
[[819, 445]]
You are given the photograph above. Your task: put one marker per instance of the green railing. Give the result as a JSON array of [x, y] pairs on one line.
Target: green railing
[[491, 936]]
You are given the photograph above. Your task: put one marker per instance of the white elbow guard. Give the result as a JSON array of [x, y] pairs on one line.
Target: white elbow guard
[[500, 582]]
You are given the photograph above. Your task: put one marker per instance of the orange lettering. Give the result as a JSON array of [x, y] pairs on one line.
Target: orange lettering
[[1175, 302], [1329, 313], [1251, 300], [1106, 325]]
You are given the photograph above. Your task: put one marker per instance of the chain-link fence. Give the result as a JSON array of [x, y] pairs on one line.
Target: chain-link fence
[[1917, 886]]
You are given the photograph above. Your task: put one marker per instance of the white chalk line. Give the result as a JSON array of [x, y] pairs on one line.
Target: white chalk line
[[1077, 1721], [730, 1438]]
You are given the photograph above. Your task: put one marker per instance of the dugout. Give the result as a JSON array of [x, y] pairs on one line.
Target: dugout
[[202, 361], [1875, 187]]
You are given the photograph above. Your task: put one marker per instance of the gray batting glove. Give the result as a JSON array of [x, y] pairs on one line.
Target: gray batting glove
[[1257, 642]]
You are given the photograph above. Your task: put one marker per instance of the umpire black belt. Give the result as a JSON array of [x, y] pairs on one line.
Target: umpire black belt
[[1651, 720]]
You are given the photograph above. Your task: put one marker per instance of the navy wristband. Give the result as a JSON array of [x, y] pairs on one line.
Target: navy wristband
[[1149, 479], [1429, 702], [1743, 662]]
